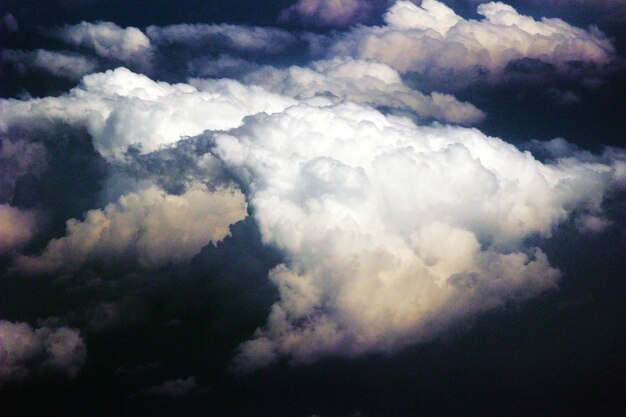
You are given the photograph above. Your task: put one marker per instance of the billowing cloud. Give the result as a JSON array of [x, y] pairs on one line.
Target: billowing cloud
[[9, 23], [223, 37], [148, 228], [17, 227], [363, 81], [23, 349], [440, 45], [108, 40], [121, 109], [59, 64], [393, 232], [328, 12]]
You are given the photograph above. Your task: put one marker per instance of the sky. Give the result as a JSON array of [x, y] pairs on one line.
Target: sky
[[312, 208]]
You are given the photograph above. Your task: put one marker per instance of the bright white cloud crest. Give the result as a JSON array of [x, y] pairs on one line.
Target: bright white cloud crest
[[391, 231], [436, 42]]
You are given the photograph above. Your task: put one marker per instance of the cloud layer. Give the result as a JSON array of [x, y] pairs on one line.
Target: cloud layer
[[438, 44]]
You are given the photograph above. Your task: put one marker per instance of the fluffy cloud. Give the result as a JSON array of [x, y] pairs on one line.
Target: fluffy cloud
[[59, 64], [121, 109], [23, 348], [438, 44], [108, 40], [363, 81], [328, 12], [17, 227], [148, 228], [223, 37], [392, 232]]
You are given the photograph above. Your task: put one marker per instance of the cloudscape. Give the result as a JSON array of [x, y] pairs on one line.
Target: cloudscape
[[312, 208]]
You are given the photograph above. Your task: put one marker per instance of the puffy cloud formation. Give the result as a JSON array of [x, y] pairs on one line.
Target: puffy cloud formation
[[59, 64], [9, 23], [121, 109], [17, 227], [232, 37], [148, 228], [438, 44], [392, 232], [23, 348], [328, 12], [108, 40], [363, 81]]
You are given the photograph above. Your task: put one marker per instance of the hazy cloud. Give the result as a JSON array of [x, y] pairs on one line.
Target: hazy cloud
[[59, 64], [23, 349]]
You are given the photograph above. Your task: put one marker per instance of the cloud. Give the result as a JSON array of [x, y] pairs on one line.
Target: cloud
[[59, 64], [393, 232], [147, 228], [23, 349], [17, 159], [363, 81], [223, 37], [17, 227], [174, 387], [108, 40], [441, 46], [336, 13], [9, 23], [121, 109]]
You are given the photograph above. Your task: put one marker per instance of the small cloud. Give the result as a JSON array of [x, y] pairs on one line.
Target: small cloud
[[174, 387]]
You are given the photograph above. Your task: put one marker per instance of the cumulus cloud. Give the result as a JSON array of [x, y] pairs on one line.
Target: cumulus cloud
[[17, 227], [59, 64], [108, 40], [223, 37], [23, 349], [392, 232], [9, 23], [148, 228], [363, 81], [328, 12], [440, 45], [121, 109]]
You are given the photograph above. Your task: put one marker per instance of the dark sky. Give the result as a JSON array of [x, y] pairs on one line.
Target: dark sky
[[150, 316]]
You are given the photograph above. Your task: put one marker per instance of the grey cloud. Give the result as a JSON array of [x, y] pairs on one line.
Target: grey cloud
[[59, 64], [23, 349]]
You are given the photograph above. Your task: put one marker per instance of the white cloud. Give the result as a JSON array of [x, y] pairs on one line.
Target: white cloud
[[23, 349], [392, 232], [363, 81], [121, 108], [442, 46], [108, 40], [147, 228], [60, 64]]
